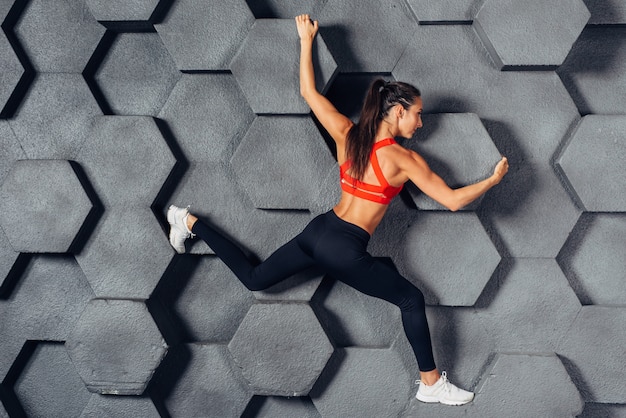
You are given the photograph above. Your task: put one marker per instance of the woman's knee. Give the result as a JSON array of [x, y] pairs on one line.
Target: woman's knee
[[413, 299]]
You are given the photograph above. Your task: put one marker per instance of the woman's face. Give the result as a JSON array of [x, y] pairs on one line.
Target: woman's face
[[411, 119]]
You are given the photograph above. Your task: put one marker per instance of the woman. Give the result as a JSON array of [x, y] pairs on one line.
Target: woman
[[373, 168]]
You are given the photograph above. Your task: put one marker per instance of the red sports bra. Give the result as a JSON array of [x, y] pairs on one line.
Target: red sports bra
[[382, 193]]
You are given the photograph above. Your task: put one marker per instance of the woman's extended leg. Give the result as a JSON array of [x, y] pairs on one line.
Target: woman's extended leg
[[284, 262]]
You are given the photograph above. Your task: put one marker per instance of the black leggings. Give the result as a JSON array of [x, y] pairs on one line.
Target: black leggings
[[340, 249]]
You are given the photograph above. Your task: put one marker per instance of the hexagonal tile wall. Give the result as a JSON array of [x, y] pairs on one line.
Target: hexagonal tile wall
[[463, 143], [205, 36], [269, 76], [281, 349], [291, 162], [471, 257], [137, 74], [43, 206], [116, 346], [536, 265], [534, 33], [597, 147], [42, 29]]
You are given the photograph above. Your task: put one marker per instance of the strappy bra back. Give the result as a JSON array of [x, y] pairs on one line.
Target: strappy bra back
[[380, 193]]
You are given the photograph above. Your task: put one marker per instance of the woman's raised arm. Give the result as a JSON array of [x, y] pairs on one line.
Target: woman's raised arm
[[334, 122]]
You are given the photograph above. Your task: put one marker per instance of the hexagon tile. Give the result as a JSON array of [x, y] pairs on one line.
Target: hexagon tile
[[137, 74], [472, 257], [288, 361], [110, 110], [42, 206], [535, 33], [116, 346]]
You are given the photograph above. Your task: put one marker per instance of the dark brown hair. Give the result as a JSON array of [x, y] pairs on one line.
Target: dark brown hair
[[381, 97]]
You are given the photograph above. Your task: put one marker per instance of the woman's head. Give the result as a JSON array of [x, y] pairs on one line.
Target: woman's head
[[395, 93], [383, 99]]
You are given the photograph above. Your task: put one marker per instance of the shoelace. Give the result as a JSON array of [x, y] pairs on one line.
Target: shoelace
[[444, 377]]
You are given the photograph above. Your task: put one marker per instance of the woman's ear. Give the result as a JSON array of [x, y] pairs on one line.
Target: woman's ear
[[399, 111]]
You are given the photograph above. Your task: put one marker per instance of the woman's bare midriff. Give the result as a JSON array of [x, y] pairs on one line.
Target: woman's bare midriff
[[360, 212]]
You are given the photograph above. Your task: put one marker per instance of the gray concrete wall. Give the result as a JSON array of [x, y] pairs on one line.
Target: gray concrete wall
[[110, 110]]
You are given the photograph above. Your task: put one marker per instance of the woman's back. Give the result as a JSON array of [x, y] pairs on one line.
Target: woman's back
[[364, 202]]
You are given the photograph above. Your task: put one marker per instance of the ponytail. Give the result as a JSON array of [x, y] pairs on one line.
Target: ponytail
[[381, 97]]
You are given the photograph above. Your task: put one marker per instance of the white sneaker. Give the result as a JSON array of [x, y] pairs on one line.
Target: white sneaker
[[443, 392], [177, 218]]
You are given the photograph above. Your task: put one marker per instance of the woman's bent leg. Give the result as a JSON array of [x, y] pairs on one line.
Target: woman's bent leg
[[377, 279], [284, 262]]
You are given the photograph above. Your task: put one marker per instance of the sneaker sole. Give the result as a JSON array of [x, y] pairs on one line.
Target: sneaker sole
[[433, 399]]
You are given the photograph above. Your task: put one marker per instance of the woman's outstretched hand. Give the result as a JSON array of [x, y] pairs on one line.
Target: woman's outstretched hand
[[501, 169], [306, 27]]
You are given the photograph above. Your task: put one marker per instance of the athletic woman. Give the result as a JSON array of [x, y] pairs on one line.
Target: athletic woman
[[373, 168]]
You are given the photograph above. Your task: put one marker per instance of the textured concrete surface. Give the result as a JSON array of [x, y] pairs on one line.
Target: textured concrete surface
[[137, 74], [196, 103], [597, 147], [535, 33], [118, 359], [281, 349], [49, 196], [203, 35]]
